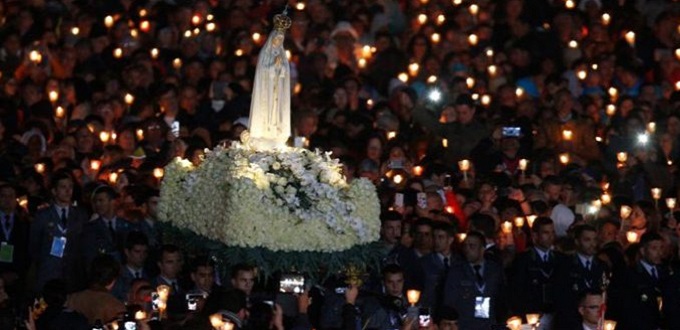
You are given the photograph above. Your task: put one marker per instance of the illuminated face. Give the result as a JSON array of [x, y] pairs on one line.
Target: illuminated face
[[63, 191], [244, 281], [203, 277], [391, 231], [587, 243], [394, 284], [590, 308]]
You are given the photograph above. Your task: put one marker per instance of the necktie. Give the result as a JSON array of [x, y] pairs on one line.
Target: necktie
[[478, 274], [175, 288], [654, 274], [111, 229], [587, 264], [446, 263], [138, 274], [63, 217], [5, 227], [546, 257]]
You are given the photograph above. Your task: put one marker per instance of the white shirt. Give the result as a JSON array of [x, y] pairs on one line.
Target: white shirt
[[585, 260], [587, 327], [562, 217], [542, 254], [648, 268]]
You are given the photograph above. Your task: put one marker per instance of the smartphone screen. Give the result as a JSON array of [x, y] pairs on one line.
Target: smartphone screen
[[399, 199], [155, 300], [424, 317], [174, 128], [292, 283]]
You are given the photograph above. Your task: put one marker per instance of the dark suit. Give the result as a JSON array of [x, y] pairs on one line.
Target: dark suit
[[461, 291], [176, 300], [640, 299], [533, 282], [19, 233], [99, 239], [409, 261], [572, 281], [124, 282], [45, 228], [434, 277]]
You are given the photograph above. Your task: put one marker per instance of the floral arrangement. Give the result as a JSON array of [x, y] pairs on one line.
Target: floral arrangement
[[286, 199]]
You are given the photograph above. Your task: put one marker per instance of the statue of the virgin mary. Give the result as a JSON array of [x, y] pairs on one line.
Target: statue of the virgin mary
[[269, 126]]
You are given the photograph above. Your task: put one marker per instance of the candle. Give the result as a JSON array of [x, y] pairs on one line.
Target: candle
[[449, 210], [75, 30], [145, 26], [403, 77], [530, 219], [461, 236], [474, 9], [300, 6], [470, 82], [473, 39], [108, 21], [134, 33], [140, 134], [573, 44], [514, 323], [630, 38], [104, 136], [656, 193], [581, 74], [413, 69], [158, 173], [677, 54], [432, 79], [533, 319], [362, 63], [519, 92], [625, 211], [163, 292], [95, 164], [40, 168], [210, 27], [418, 170], [569, 4], [464, 165], [154, 53], [506, 227], [610, 110], [567, 135], [35, 56], [651, 127], [564, 158], [492, 69], [519, 222], [216, 321], [622, 157], [523, 165], [53, 96], [257, 37], [59, 112], [187, 34], [369, 103], [391, 135], [670, 202], [435, 38], [441, 19], [606, 19], [413, 296], [677, 85], [397, 179], [613, 92], [489, 52], [140, 315], [196, 19], [445, 143], [422, 18], [129, 99], [177, 63], [486, 100], [113, 177], [23, 201], [118, 53], [606, 198], [609, 325], [631, 237]]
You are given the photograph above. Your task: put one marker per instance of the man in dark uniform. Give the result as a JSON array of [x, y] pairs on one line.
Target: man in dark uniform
[[56, 237], [15, 226], [474, 286], [437, 264], [533, 274], [575, 275], [642, 288]]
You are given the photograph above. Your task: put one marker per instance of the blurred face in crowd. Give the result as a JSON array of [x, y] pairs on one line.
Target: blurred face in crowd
[[553, 191], [638, 219], [374, 149], [442, 242], [139, 293], [84, 140], [152, 207], [423, 239], [391, 231], [448, 325], [203, 278], [544, 238], [103, 204], [170, 264], [244, 281], [136, 256], [653, 251], [586, 244], [8, 199], [607, 233], [465, 113], [590, 309], [394, 284], [63, 191], [473, 249]]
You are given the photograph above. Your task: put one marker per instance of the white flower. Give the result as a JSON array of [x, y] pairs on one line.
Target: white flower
[[276, 166]]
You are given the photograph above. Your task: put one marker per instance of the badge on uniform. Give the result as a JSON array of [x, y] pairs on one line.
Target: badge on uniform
[[58, 246], [482, 307], [6, 252]]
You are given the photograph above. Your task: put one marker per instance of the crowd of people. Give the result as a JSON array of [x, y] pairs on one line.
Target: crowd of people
[[525, 153]]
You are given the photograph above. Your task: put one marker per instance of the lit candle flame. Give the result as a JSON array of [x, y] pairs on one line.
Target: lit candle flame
[[506, 227], [464, 165]]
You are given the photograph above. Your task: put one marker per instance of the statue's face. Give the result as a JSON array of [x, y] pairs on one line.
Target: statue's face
[[278, 40]]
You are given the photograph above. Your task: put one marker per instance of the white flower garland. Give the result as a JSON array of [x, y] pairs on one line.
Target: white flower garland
[[290, 199]]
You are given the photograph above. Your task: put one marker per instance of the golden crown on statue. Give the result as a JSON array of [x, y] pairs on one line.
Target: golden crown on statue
[[281, 21]]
